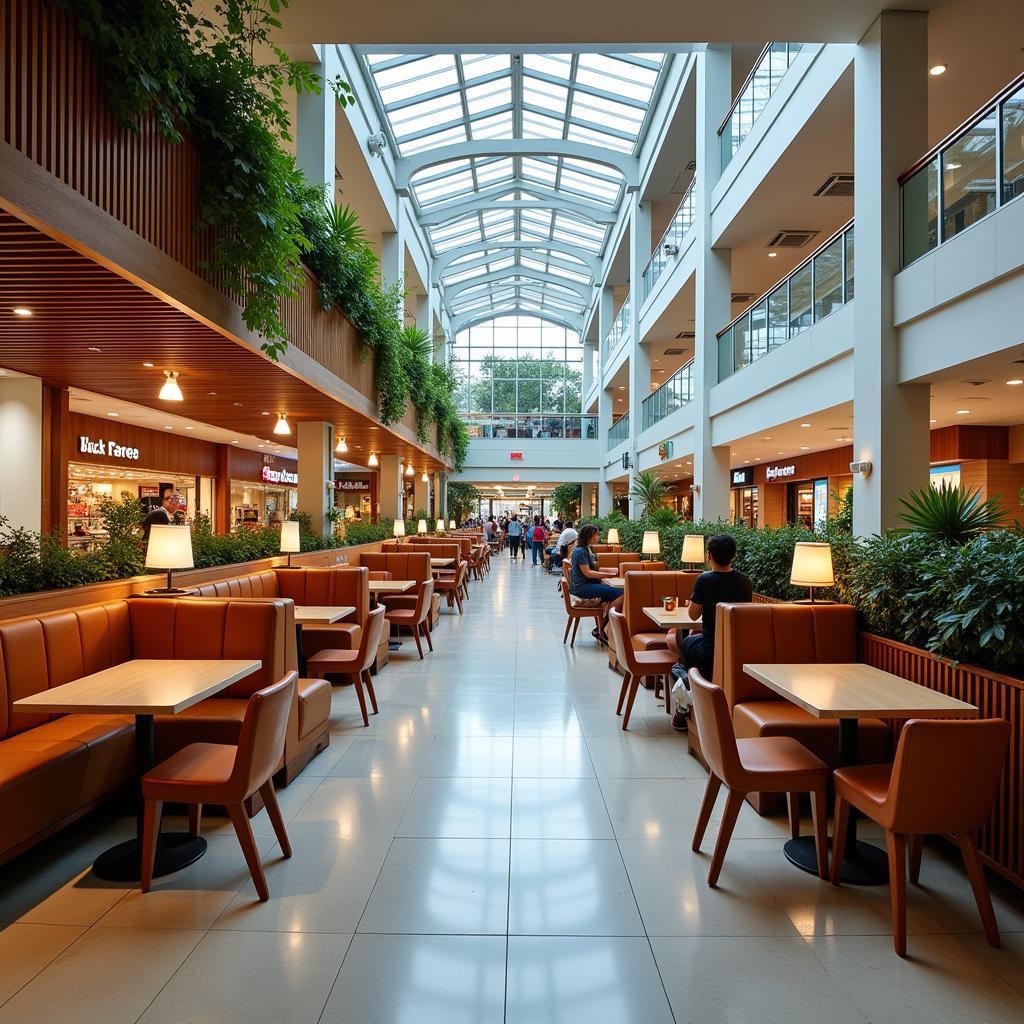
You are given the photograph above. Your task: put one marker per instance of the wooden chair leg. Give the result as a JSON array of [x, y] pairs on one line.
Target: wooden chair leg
[[416, 636], [916, 846], [368, 679], [276, 818], [634, 685], [896, 845], [793, 806], [195, 819], [622, 691], [426, 633], [151, 815], [458, 601], [706, 807], [568, 626], [575, 626], [668, 693], [729, 815], [357, 681], [976, 873], [252, 856], [839, 829], [819, 815]]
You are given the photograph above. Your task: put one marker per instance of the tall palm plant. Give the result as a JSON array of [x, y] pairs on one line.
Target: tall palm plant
[[649, 491], [952, 514], [344, 225]]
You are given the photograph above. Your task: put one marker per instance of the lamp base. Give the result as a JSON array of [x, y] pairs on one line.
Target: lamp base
[[167, 592], [813, 600]]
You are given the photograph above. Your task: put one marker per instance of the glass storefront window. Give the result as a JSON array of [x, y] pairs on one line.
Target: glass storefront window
[[744, 506], [256, 504], [969, 177], [948, 475]]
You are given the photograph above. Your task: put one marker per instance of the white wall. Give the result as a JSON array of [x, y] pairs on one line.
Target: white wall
[[21, 433], [544, 461]]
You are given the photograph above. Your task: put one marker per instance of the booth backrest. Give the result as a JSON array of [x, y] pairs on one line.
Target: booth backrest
[[441, 551], [613, 559], [646, 589], [625, 567], [412, 565], [257, 584], [603, 548], [779, 633]]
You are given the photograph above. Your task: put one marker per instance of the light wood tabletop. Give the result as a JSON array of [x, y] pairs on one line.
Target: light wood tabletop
[[142, 687], [391, 586], [680, 617], [613, 581], [857, 691], [440, 563], [310, 614]]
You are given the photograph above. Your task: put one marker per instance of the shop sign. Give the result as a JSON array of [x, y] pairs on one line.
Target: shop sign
[[775, 472], [742, 477], [108, 448], [279, 476], [351, 485], [665, 450], [515, 456]]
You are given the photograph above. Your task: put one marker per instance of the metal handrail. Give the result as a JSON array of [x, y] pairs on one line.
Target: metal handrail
[[650, 414], [743, 87], [618, 431], [618, 329], [681, 222]]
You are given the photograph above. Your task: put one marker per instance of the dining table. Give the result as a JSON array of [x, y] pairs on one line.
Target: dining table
[[667, 620], [378, 587], [849, 692], [143, 687], [316, 615], [441, 563]]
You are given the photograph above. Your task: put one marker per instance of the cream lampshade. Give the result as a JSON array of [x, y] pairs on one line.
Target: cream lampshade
[[399, 528], [613, 535], [651, 544], [290, 539], [440, 526], [170, 548], [451, 524], [421, 526], [693, 548], [812, 566]]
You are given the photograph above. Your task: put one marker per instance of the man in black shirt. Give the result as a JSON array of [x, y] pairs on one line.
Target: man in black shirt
[[163, 514], [722, 583]]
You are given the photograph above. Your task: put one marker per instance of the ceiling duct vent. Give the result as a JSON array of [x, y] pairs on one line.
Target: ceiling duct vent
[[684, 335], [742, 296], [976, 383], [838, 185], [791, 239], [675, 351]]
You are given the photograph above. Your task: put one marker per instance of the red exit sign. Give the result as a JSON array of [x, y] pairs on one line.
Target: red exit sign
[[515, 456]]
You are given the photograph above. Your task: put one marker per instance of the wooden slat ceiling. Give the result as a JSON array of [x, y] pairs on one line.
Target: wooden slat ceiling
[[77, 304]]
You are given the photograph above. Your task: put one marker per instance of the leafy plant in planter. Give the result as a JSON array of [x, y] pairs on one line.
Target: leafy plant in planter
[[663, 517], [952, 514], [463, 500], [566, 500]]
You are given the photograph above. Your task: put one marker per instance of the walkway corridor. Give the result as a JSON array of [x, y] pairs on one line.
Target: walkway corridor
[[493, 848]]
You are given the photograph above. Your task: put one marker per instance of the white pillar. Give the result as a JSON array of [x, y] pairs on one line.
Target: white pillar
[[315, 125], [605, 315], [588, 499], [421, 494], [588, 367], [890, 420], [713, 285], [390, 490], [21, 427], [392, 256], [640, 355], [438, 510], [316, 466]]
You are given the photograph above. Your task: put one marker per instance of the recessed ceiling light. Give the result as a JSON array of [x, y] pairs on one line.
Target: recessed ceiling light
[[622, 387], [264, 413], [261, 446], [190, 428], [952, 165], [94, 348], [779, 453], [211, 392], [767, 439], [113, 414], [234, 442], [804, 448], [22, 311], [933, 421], [772, 255], [746, 462], [148, 365], [805, 424], [937, 69], [963, 412], [237, 404], [168, 428], [1016, 380]]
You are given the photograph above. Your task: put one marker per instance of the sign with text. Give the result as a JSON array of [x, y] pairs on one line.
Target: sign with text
[[279, 476], [515, 456], [742, 477], [351, 485], [665, 450], [777, 472], [107, 447]]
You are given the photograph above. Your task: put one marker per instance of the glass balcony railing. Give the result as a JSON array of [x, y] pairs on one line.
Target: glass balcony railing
[[762, 81], [671, 242], [671, 395], [532, 426], [971, 173], [819, 286], [618, 329], [618, 432]]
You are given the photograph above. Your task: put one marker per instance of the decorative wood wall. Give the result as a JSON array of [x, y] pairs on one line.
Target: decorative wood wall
[[167, 452]]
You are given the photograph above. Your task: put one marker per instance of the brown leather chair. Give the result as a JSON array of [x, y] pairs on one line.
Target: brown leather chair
[[217, 773], [943, 781], [767, 764], [577, 608], [354, 664], [380, 575], [612, 559], [625, 567], [416, 618], [636, 665], [453, 585], [645, 590], [407, 564]]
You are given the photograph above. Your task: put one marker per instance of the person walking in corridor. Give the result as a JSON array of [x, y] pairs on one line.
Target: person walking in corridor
[[537, 539], [515, 535]]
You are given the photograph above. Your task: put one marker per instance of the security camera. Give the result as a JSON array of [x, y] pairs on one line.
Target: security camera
[[861, 468], [670, 249], [376, 144], [695, 488]]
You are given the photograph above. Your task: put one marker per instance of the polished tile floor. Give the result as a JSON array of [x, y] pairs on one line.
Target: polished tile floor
[[493, 848]]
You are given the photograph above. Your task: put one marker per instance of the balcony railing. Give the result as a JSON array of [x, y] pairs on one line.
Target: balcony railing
[[970, 174], [618, 329], [671, 242], [819, 286], [673, 394], [618, 432], [763, 80], [532, 426]]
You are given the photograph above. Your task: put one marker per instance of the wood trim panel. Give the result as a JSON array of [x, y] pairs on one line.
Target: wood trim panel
[[56, 435], [1015, 443], [955, 443], [244, 464], [834, 462]]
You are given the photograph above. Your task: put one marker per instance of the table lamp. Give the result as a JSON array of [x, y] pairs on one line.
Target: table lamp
[[693, 549], [169, 548], [290, 541], [421, 526], [812, 567], [440, 526], [613, 535], [651, 544], [399, 530], [451, 524]]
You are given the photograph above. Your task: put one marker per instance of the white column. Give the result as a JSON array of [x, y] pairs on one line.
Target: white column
[[390, 490], [640, 355], [713, 285], [316, 466], [421, 494], [605, 315], [587, 499], [21, 427], [890, 420], [438, 510], [392, 254], [315, 125]]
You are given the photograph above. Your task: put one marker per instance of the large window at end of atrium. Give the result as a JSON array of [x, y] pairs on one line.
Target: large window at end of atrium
[[522, 377]]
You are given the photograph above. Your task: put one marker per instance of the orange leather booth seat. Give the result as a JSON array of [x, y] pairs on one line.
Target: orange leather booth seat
[[645, 590], [599, 549], [789, 633], [613, 559], [54, 768], [403, 565]]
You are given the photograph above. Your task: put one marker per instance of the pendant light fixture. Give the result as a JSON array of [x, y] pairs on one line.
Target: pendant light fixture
[[425, 478], [171, 392], [409, 471], [341, 447], [373, 460], [281, 426]]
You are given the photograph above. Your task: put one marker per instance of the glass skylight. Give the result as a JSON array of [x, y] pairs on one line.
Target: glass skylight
[[440, 99]]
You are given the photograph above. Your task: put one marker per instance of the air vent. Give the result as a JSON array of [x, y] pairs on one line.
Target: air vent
[[837, 185], [685, 334], [676, 351], [741, 296], [791, 239], [976, 383]]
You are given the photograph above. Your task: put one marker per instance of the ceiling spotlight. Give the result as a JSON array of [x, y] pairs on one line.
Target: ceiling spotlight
[[963, 412], [95, 348], [937, 69], [1016, 380], [281, 426], [805, 424], [804, 448], [373, 460], [409, 471], [22, 311], [772, 255], [171, 392], [149, 366], [933, 421], [376, 143], [341, 447], [425, 478], [113, 414]]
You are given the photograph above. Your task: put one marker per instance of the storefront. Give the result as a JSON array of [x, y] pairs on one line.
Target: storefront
[[122, 461], [264, 489], [803, 490], [743, 497], [354, 495]]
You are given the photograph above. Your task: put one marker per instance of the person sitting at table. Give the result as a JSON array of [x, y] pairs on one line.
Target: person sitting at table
[[560, 550], [585, 578]]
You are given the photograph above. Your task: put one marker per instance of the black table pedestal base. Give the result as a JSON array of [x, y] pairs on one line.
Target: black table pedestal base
[[864, 864], [174, 851]]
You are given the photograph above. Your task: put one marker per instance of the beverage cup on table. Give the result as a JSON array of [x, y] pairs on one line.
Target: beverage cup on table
[[669, 604]]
